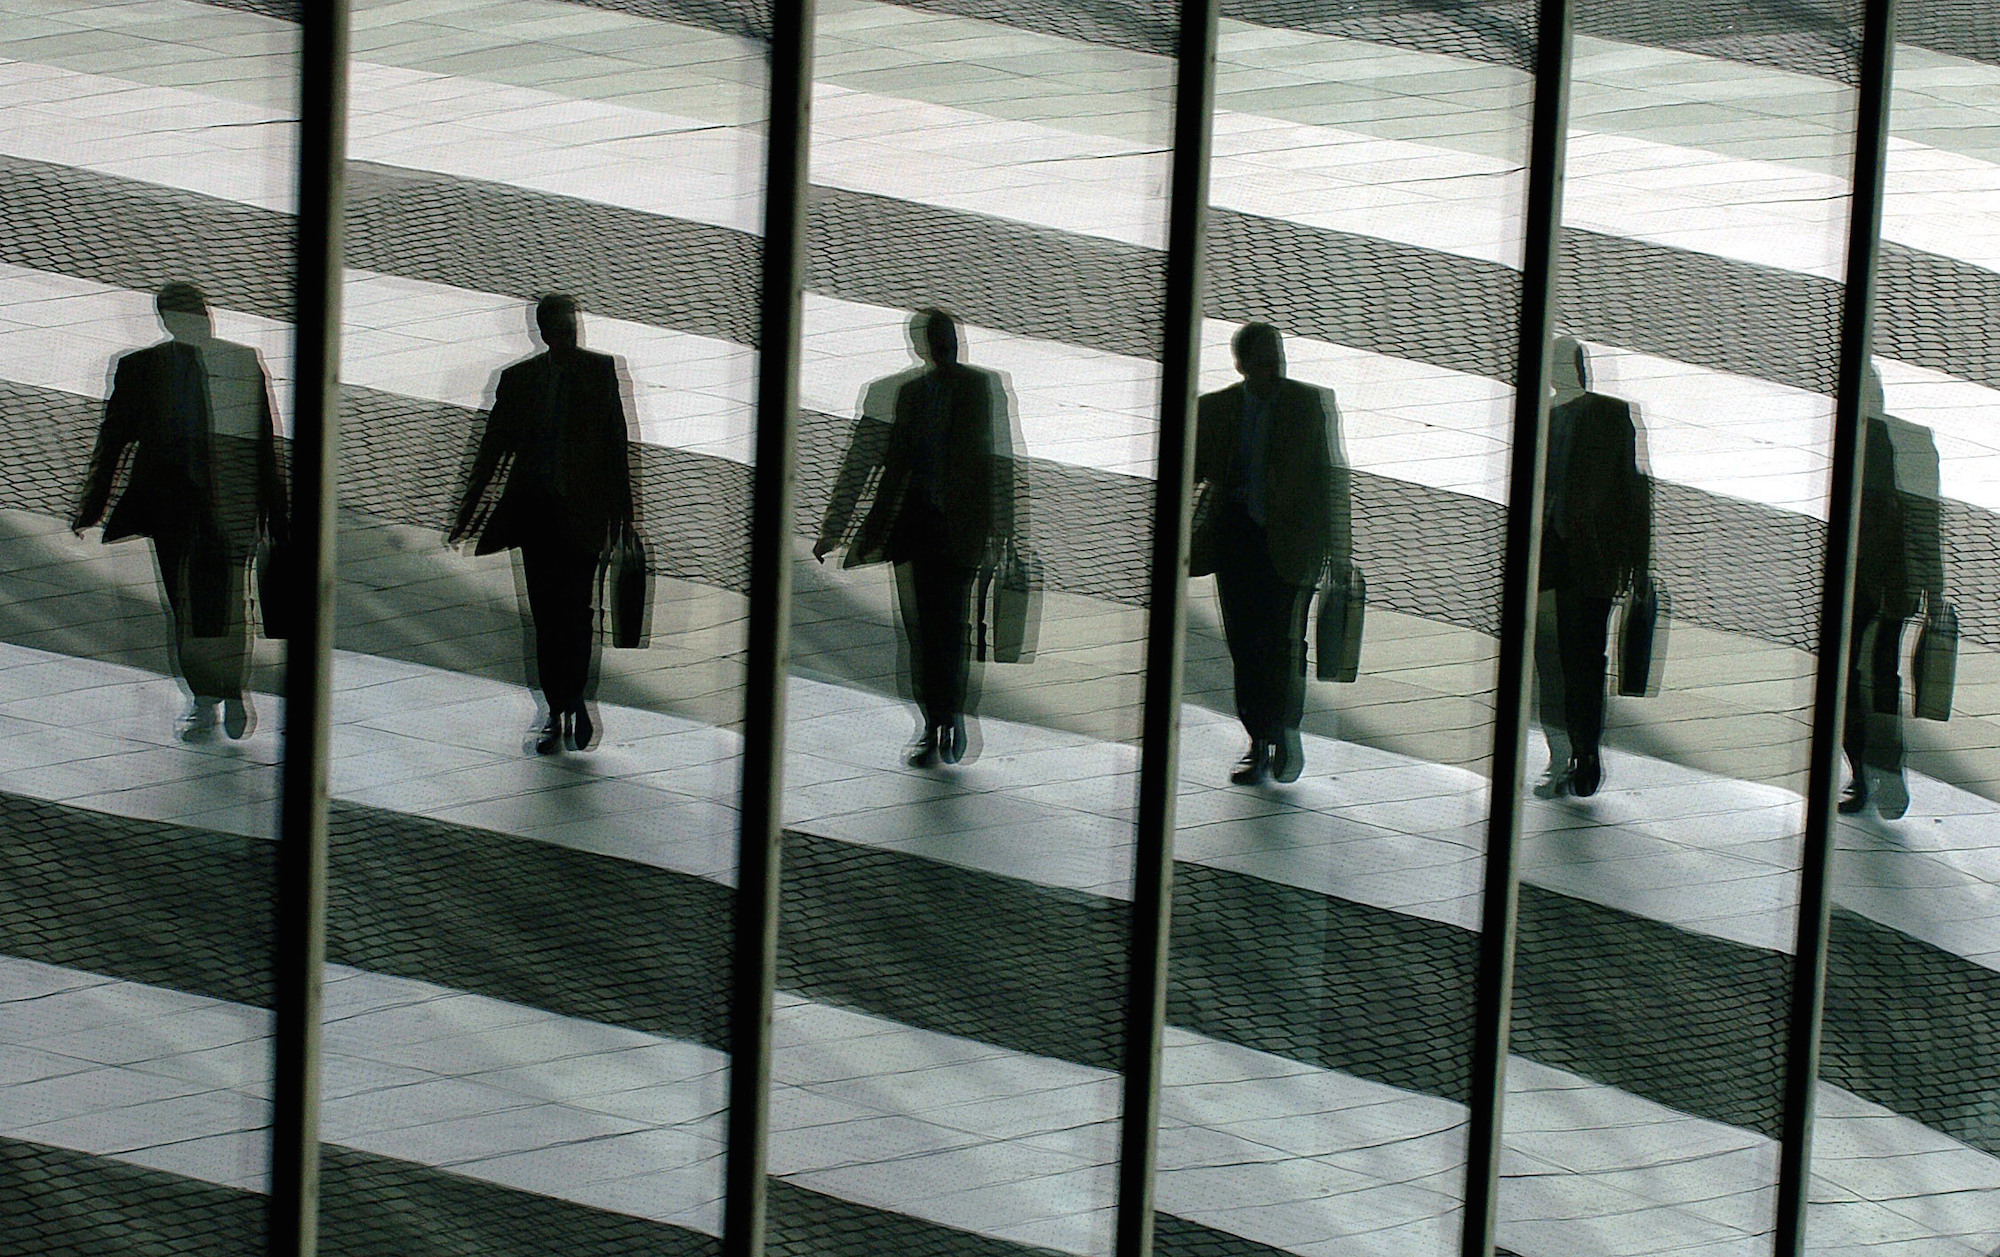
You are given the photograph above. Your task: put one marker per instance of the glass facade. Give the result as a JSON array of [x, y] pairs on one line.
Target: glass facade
[[1682, 945]]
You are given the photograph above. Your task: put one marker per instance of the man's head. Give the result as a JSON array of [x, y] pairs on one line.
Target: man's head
[[183, 312], [556, 317], [934, 334], [1569, 368], [1260, 354]]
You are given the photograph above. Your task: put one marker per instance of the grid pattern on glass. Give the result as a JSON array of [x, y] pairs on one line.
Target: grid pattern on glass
[[1906, 1150], [980, 382], [1367, 205], [1684, 522], [548, 316], [146, 266]]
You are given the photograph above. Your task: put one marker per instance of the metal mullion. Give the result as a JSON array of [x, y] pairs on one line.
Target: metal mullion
[[1166, 624], [755, 954], [300, 890], [1836, 610], [1521, 577]]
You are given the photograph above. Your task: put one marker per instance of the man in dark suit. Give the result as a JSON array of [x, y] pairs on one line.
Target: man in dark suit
[[1899, 566], [558, 434], [944, 504], [1276, 513], [195, 415], [1597, 536]]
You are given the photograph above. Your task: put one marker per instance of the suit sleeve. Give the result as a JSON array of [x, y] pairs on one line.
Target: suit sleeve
[[273, 506], [1339, 488], [624, 491], [119, 429], [495, 444]]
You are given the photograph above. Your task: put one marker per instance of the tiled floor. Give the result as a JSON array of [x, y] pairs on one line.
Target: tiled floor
[[1696, 829]]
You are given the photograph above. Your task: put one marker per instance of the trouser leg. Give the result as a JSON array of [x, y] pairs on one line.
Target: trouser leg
[[215, 665], [940, 592], [559, 579], [1582, 632], [1263, 622], [1872, 727]]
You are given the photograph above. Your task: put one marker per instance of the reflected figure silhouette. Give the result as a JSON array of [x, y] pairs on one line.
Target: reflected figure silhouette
[[1597, 537], [194, 415], [1898, 571], [942, 469], [1272, 511], [557, 438]]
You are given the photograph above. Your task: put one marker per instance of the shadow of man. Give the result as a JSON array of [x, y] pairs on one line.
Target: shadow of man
[[190, 423], [557, 440], [934, 443]]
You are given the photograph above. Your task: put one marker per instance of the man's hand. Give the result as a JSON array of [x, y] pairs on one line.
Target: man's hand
[[823, 547]]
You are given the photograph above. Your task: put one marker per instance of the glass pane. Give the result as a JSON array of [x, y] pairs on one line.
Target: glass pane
[[1350, 508], [1907, 1130], [146, 273], [534, 827], [1705, 216], [981, 385]]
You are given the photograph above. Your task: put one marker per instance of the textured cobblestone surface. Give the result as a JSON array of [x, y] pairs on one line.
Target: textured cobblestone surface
[[1688, 1020]]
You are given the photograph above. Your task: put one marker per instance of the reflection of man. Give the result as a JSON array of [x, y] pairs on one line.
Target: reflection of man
[[558, 425], [195, 412], [943, 505], [1597, 526], [1277, 514], [1898, 566]]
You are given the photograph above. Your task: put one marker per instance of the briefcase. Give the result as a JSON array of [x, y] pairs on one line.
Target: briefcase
[[1642, 641], [626, 594], [1934, 671], [1343, 605], [277, 589], [1009, 614]]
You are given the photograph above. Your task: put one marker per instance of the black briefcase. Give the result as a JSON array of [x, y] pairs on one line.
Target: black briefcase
[[1009, 618], [1343, 605], [1642, 641], [626, 593], [1934, 670]]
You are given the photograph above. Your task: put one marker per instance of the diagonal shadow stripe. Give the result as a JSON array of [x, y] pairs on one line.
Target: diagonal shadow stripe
[[1690, 1021]]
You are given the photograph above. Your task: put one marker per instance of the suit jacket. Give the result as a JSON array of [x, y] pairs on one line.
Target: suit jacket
[[1307, 492], [1596, 500], [557, 431], [173, 489], [1899, 551], [975, 466]]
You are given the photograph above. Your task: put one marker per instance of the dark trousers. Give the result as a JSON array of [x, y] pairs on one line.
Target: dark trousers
[[1572, 691], [935, 595], [1264, 622], [1872, 729], [1583, 631], [559, 576], [206, 596]]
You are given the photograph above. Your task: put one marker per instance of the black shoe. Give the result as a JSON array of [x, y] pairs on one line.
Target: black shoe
[[1254, 766], [1288, 757], [239, 718], [582, 732], [549, 741], [923, 753], [1854, 799], [1553, 786], [951, 740], [1586, 773]]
